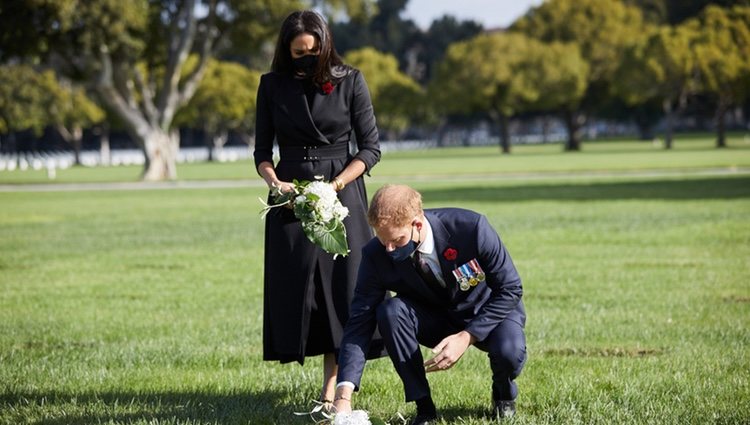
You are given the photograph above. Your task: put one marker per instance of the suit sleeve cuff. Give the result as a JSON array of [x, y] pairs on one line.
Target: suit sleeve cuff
[[346, 384]]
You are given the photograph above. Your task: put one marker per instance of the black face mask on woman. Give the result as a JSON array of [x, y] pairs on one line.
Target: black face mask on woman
[[305, 65]]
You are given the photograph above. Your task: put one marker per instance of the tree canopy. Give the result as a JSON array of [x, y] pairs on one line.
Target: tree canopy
[[722, 49], [504, 74], [395, 96]]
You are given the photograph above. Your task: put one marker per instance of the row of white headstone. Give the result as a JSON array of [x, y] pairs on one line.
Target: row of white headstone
[[62, 160]]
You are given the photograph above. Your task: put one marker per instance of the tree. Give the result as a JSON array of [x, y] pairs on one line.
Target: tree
[[654, 11], [503, 74], [22, 100], [661, 69], [225, 101], [70, 111], [674, 12], [429, 49], [32, 100], [395, 96], [722, 49], [681, 10], [133, 54], [384, 30], [602, 29]]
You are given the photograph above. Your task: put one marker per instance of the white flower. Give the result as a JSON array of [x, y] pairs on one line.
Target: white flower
[[317, 206], [356, 417], [327, 207]]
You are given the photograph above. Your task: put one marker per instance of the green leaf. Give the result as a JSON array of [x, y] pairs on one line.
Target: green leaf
[[332, 242]]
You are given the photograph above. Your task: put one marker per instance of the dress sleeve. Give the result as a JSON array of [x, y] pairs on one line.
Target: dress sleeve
[[363, 122], [264, 130]]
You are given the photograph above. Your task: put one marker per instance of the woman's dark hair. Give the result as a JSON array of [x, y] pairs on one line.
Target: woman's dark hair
[[330, 66]]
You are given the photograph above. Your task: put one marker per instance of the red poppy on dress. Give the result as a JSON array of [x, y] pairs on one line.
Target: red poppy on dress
[[450, 254], [327, 87]]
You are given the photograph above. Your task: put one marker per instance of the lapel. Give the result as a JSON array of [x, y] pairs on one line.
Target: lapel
[[292, 100], [442, 241]]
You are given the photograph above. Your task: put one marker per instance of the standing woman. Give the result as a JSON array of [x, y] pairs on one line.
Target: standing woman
[[312, 104]]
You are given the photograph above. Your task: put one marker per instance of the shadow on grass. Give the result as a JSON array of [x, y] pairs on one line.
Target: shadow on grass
[[691, 189], [456, 414], [264, 407]]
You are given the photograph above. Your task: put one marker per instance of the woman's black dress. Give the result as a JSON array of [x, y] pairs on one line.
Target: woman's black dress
[[306, 292]]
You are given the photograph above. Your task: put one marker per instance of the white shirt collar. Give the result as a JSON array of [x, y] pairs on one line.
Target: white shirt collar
[[427, 246]]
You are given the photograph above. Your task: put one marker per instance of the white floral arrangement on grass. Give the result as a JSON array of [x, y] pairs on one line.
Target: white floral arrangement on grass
[[325, 414], [319, 210]]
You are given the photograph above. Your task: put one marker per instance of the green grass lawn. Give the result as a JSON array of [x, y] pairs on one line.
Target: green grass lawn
[[144, 307]]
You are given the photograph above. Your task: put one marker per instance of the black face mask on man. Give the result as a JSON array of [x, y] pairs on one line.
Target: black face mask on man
[[305, 65], [403, 252]]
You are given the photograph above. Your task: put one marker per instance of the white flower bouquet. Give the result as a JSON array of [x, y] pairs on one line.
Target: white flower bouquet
[[322, 415], [319, 210]]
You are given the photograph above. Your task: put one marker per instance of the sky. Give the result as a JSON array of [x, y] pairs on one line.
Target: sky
[[490, 13]]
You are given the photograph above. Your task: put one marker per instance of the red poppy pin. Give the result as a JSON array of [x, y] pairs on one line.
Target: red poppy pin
[[450, 254], [327, 87]]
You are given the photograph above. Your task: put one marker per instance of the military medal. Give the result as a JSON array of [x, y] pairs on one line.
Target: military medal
[[471, 280], [469, 275], [464, 284], [461, 279], [474, 264]]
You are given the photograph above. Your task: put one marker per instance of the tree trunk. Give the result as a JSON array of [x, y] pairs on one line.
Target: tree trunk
[[502, 123], [247, 138], [161, 150], [220, 139], [208, 140], [546, 123], [669, 122], [721, 113], [73, 137], [504, 134], [574, 121], [148, 114], [77, 142], [442, 130], [105, 155], [642, 117]]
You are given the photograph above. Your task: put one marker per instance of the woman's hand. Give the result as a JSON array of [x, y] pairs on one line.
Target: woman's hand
[[282, 186]]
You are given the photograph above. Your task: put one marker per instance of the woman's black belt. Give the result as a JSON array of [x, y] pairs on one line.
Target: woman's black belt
[[314, 153]]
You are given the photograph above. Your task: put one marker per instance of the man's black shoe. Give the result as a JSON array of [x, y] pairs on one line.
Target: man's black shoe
[[505, 409], [424, 419]]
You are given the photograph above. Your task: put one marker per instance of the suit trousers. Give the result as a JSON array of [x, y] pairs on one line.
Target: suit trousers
[[405, 324]]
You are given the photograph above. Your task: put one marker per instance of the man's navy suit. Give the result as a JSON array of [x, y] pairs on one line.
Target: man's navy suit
[[491, 311]]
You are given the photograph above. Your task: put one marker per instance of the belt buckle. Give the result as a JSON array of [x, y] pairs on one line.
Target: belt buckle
[[308, 156]]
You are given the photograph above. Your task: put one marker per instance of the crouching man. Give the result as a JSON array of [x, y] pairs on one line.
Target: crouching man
[[455, 286]]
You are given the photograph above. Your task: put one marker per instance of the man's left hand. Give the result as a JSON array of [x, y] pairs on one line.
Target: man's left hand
[[449, 351]]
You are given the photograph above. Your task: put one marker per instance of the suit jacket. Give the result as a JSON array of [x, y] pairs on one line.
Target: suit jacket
[[478, 310]]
